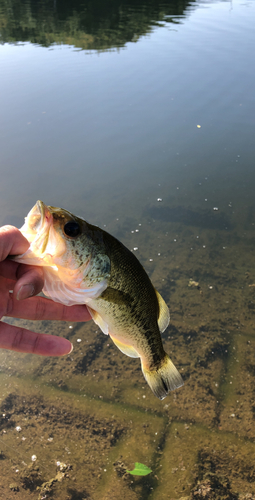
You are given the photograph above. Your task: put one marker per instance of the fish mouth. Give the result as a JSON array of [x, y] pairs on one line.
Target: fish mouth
[[37, 226], [40, 208], [43, 220], [41, 214]]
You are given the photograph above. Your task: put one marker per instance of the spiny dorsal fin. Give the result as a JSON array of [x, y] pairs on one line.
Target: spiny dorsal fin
[[164, 315]]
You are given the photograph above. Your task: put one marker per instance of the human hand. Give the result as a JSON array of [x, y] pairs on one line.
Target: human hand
[[25, 282]]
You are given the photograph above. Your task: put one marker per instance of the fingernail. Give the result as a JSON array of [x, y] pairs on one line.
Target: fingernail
[[25, 292], [71, 349]]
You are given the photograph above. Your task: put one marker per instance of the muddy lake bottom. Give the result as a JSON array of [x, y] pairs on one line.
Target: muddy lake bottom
[[90, 416]]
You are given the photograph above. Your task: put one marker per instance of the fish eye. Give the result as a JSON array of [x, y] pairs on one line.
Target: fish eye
[[72, 229]]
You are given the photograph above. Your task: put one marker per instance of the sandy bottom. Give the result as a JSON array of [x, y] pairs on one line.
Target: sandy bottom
[[87, 418]]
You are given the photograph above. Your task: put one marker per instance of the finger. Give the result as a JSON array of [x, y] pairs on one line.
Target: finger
[[30, 281], [8, 269], [21, 340], [40, 308], [30, 278], [12, 242], [6, 284]]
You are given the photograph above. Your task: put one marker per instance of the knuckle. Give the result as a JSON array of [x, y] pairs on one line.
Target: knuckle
[[40, 310], [22, 342], [18, 339], [36, 342]]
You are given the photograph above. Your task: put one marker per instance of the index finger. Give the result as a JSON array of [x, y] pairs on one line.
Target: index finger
[[40, 308], [12, 242], [21, 340]]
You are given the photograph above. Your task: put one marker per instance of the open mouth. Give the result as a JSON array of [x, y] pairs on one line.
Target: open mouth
[[37, 225], [38, 216]]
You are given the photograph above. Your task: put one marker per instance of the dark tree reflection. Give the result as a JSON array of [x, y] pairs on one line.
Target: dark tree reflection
[[91, 24]]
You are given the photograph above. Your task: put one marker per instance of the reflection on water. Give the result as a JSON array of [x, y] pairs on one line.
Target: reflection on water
[[96, 25], [155, 144]]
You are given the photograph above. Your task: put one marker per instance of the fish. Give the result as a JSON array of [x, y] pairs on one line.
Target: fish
[[84, 264]]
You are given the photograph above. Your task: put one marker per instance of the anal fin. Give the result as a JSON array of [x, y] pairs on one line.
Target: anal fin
[[126, 349]]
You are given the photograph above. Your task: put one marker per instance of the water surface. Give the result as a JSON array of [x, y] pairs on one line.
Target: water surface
[[140, 118]]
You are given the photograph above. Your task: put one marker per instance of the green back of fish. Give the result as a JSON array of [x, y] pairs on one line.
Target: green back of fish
[[131, 297], [139, 311]]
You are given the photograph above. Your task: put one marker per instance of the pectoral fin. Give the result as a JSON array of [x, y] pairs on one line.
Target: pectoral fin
[[99, 320], [164, 316], [126, 349]]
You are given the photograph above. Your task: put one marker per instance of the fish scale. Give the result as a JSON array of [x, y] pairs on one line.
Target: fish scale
[[84, 264]]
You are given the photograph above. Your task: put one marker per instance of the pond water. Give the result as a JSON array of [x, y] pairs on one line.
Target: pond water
[[140, 118]]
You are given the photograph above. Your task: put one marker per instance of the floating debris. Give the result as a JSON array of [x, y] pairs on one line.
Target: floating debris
[[193, 283], [14, 487], [140, 470]]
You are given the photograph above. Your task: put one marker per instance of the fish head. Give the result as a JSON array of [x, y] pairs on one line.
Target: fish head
[[70, 250], [54, 236]]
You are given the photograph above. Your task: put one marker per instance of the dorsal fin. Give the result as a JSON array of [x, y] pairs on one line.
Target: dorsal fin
[[164, 315]]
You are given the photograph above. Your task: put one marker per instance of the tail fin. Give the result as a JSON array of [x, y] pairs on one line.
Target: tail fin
[[164, 379]]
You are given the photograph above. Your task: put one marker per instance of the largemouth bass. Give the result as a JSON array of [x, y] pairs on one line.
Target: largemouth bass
[[83, 264]]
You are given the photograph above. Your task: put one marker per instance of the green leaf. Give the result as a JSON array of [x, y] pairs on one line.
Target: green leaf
[[140, 470]]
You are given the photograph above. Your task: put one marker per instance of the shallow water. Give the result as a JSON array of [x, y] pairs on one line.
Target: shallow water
[[140, 118]]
